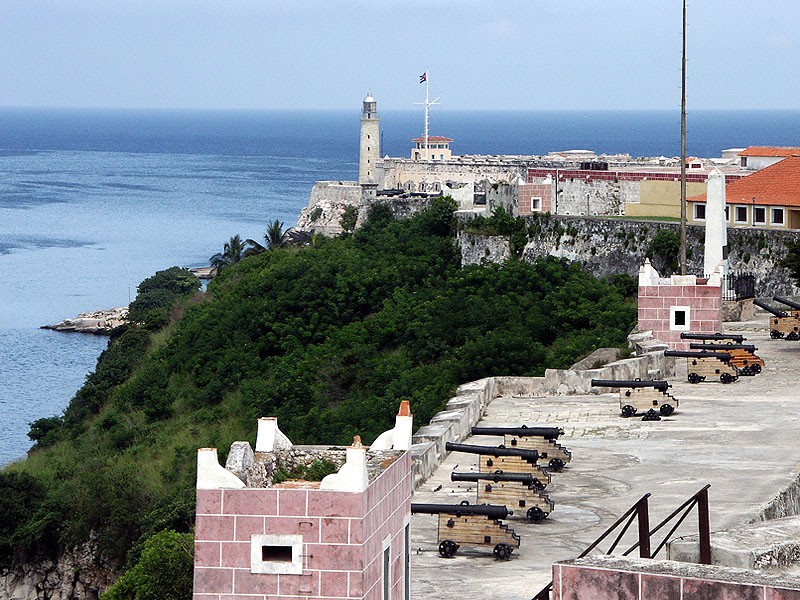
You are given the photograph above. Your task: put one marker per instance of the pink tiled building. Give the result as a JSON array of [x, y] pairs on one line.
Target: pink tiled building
[[670, 306], [346, 537]]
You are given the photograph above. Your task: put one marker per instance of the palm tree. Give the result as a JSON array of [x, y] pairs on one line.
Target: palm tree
[[274, 235], [232, 253]]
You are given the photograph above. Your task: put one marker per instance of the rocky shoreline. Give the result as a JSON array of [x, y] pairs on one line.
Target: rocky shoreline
[[99, 322]]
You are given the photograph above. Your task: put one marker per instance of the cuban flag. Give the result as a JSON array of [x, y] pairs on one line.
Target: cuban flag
[[424, 77]]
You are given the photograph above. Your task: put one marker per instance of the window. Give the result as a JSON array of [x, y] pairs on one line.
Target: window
[[727, 213], [536, 203], [276, 554], [777, 216], [679, 318], [740, 214], [387, 567], [759, 215], [699, 211]]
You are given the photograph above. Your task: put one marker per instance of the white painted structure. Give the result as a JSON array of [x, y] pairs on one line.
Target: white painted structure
[[353, 476], [213, 476], [269, 437], [716, 246], [398, 438]]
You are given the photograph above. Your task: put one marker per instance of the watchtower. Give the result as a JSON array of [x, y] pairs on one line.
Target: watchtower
[[370, 148]]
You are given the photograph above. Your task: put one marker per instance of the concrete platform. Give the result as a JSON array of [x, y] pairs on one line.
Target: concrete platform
[[742, 438]]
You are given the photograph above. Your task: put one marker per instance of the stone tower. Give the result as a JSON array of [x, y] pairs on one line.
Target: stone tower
[[370, 148]]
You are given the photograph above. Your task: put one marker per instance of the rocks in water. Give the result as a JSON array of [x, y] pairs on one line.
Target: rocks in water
[[100, 322]]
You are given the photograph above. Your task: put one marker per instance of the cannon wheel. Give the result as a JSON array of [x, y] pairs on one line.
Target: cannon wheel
[[726, 378], [793, 336], [502, 552], [447, 548], [775, 334], [556, 464], [535, 514], [666, 410], [746, 371], [628, 411], [694, 378], [756, 369]]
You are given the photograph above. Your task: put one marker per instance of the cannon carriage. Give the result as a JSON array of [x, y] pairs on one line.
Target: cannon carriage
[[649, 398], [516, 490], [510, 460], [743, 356], [702, 365], [781, 324], [468, 524], [552, 455]]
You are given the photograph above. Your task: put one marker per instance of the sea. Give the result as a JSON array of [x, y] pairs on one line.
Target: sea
[[93, 201]]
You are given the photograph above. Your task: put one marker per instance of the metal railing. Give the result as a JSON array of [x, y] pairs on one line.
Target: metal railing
[[640, 511], [738, 286]]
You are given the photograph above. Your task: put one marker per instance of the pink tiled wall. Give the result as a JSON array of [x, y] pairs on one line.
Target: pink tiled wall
[[654, 310], [527, 191], [342, 536], [577, 582]]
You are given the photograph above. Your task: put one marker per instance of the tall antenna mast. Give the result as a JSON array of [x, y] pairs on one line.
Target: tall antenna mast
[[683, 148], [428, 103]]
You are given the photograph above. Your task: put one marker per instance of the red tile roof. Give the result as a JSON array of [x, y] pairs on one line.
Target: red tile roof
[[775, 151], [433, 139], [776, 185]]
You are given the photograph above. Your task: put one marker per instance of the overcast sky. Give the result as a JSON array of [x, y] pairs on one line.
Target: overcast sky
[[480, 54]]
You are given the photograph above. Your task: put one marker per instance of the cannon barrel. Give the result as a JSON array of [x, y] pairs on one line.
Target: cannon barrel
[[712, 336], [724, 347], [631, 383], [723, 356], [523, 478], [549, 433], [489, 510], [770, 309], [530, 455], [787, 302]]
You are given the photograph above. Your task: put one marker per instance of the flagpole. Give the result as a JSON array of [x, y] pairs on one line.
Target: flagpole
[[427, 146]]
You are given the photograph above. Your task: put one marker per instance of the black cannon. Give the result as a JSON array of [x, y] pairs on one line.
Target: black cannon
[[718, 337], [513, 460], [471, 525], [790, 303], [648, 397], [702, 364], [542, 439], [510, 489], [743, 356], [781, 324]]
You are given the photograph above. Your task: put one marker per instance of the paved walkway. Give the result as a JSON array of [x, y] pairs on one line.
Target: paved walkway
[[742, 438]]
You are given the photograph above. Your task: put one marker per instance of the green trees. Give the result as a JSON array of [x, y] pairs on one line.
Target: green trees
[[791, 260], [274, 235], [156, 295], [232, 252]]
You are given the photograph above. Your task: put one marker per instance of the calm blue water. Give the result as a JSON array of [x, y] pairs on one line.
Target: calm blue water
[[92, 202]]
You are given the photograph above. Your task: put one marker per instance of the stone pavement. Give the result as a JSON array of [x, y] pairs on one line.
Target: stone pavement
[[742, 438]]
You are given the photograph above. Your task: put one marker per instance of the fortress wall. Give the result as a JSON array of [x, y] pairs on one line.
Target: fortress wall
[[408, 174]]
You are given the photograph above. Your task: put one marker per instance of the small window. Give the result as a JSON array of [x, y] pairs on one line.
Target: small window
[[679, 318], [727, 213], [536, 203], [759, 215], [276, 554], [387, 567], [740, 214], [777, 216], [407, 563], [699, 211]]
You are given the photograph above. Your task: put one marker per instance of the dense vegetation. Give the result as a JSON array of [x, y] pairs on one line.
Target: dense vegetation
[[328, 338]]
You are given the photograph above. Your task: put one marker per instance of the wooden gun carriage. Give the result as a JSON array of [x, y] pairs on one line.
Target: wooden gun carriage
[[510, 490], [637, 396], [743, 356], [794, 306], [468, 524], [510, 460], [781, 324], [702, 365], [541, 439]]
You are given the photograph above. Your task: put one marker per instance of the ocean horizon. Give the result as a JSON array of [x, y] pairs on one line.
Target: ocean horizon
[[92, 201]]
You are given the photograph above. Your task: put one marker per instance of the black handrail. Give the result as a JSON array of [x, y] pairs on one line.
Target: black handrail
[[641, 511]]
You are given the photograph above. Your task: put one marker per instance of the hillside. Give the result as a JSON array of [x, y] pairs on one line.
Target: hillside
[[328, 338]]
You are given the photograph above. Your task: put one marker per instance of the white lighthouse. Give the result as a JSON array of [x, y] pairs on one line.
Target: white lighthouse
[[370, 149]]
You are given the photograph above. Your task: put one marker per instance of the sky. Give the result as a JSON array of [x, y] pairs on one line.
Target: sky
[[327, 54]]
